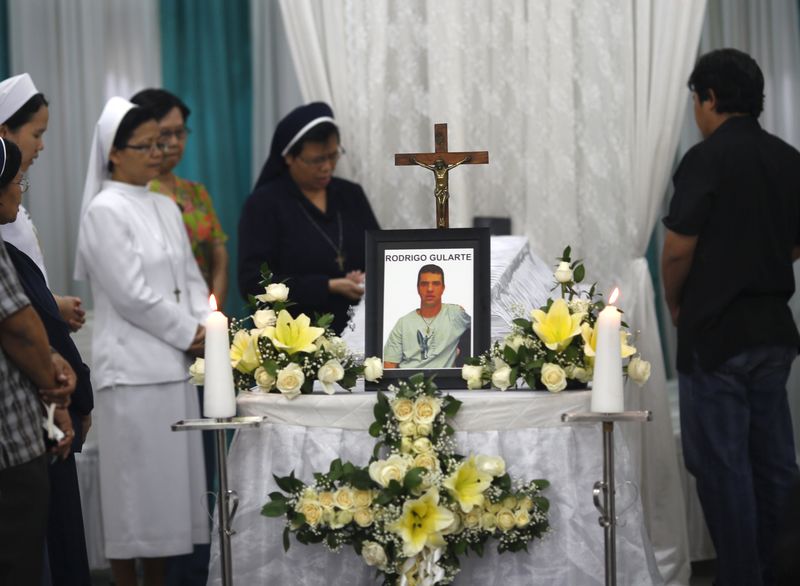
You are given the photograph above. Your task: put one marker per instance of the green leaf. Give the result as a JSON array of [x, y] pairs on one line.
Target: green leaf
[[289, 483], [451, 406], [566, 253], [460, 547], [271, 367], [504, 482], [579, 273], [509, 355], [522, 323], [376, 429], [416, 379], [286, 541], [413, 478], [274, 509], [324, 320]]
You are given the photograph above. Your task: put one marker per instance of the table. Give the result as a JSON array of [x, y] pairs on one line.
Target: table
[[524, 427]]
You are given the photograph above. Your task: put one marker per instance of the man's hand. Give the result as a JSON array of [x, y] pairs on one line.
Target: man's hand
[[356, 276], [198, 345], [72, 312], [65, 380], [347, 288], [64, 423]]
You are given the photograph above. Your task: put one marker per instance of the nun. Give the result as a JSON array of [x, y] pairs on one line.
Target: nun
[[150, 303], [24, 116], [306, 224]]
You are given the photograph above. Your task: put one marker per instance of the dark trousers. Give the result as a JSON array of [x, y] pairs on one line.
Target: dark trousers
[[737, 438], [66, 542], [24, 493]]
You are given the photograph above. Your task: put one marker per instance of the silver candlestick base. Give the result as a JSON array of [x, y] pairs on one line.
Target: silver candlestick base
[[227, 500], [604, 491]]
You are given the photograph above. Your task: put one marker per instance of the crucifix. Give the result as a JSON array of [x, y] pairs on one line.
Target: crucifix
[[440, 162]]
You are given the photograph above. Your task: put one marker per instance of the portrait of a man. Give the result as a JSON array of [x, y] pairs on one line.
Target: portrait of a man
[[433, 335]]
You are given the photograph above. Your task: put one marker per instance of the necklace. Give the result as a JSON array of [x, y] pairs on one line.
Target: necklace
[[338, 249], [428, 324], [165, 245]]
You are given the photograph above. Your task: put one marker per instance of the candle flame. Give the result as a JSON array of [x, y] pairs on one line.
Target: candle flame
[[212, 302], [614, 295]]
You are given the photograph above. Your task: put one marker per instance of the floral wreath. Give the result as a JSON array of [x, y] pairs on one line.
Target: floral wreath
[[555, 348], [412, 514]]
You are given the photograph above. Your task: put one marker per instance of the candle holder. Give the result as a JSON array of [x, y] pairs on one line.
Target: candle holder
[[604, 491], [227, 500]]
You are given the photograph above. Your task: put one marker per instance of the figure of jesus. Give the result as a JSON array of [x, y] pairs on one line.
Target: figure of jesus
[[442, 191]]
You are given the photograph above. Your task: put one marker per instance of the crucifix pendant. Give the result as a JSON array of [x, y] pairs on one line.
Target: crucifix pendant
[[340, 260], [177, 293]]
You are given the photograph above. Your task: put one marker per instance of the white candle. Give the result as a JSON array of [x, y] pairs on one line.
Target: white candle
[[607, 394], [219, 398]]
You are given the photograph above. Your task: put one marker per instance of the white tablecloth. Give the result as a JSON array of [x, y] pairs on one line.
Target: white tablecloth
[[524, 427]]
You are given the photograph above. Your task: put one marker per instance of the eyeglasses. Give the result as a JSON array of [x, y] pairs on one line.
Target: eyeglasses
[[147, 148], [23, 184], [321, 160], [178, 133]]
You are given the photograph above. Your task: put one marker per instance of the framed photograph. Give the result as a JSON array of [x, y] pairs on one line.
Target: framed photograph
[[427, 301]]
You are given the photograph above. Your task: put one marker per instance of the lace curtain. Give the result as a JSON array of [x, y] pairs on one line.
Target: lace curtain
[[579, 105]]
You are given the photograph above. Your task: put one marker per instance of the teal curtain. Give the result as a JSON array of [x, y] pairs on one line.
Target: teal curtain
[[205, 52], [5, 57]]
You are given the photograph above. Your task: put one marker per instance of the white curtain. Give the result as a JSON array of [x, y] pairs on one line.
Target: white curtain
[[579, 104], [276, 88], [79, 53]]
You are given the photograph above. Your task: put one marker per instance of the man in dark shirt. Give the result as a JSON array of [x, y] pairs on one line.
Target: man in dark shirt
[[733, 231]]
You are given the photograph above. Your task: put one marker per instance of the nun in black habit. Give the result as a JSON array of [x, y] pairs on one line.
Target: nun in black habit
[[306, 224]]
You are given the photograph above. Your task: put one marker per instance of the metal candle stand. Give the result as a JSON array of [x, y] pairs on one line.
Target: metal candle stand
[[604, 492], [227, 500]]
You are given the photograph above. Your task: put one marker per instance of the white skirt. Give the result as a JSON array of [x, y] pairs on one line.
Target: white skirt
[[152, 480]]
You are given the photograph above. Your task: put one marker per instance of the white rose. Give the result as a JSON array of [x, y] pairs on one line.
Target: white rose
[[553, 377], [639, 370], [340, 519], [198, 371], [505, 519], [488, 521], [373, 554], [521, 518], [472, 374], [514, 341], [403, 409], [423, 445], [344, 498], [373, 368], [563, 273], [427, 461], [408, 428], [472, 519], [362, 498], [311, 510], [329, 373], [501, 377], [424, 429], [584, 375], [384, 471], [264, 318], [264, 379], [426, 409], [326, 499], [363, 517], [492, 465], [406, 444], [274, 292], [290, 379]]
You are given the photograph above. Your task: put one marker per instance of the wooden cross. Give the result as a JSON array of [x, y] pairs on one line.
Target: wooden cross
[[440, 162]]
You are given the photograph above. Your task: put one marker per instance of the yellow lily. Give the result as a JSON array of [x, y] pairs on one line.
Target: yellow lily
[[293, 335], [244, 352], [422, 522], [467, 485], [558, 326], [589, 335]]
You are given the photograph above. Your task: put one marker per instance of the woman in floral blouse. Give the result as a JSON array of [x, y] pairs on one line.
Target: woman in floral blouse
[[202, 224]]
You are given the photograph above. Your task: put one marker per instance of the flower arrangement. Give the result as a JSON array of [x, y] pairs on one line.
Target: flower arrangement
[[412, 513], [285, 354], [555, 348]]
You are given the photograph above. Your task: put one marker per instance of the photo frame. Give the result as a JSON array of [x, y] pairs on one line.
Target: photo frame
[[427, 301]]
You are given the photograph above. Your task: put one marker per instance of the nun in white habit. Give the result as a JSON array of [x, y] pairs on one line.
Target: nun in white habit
[[150, 303]]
